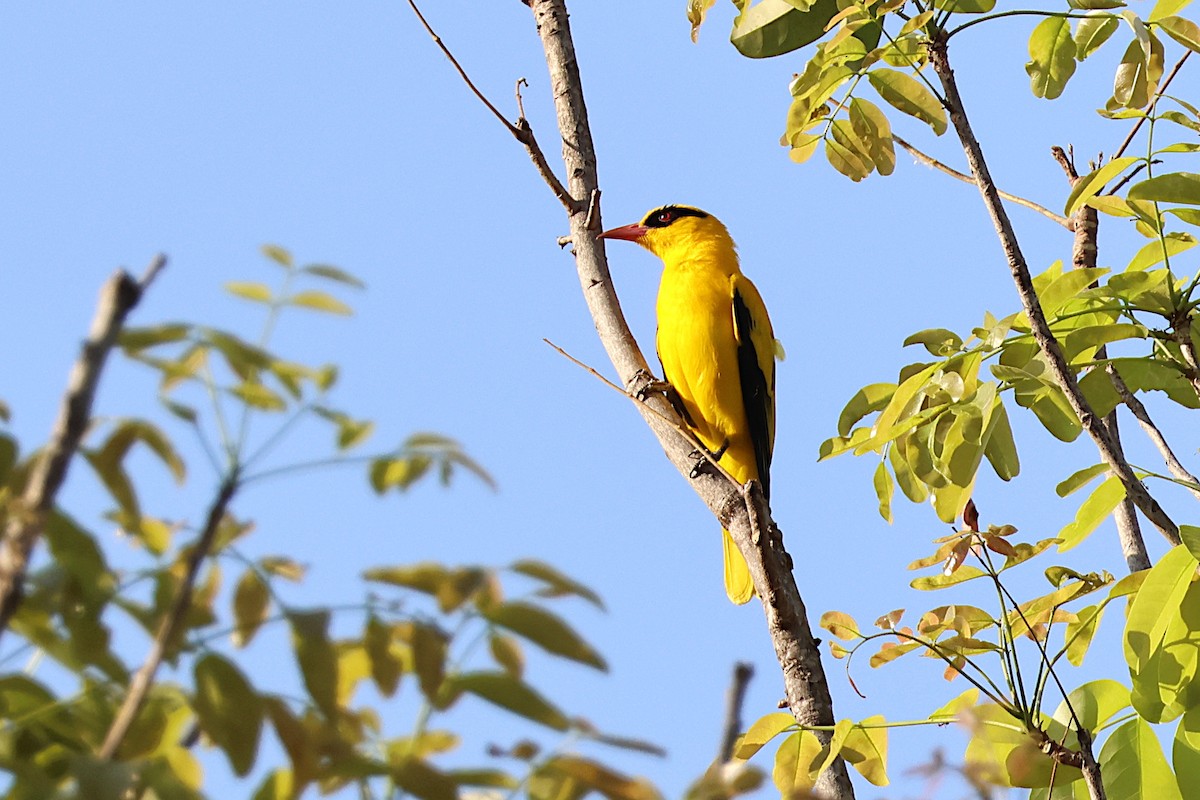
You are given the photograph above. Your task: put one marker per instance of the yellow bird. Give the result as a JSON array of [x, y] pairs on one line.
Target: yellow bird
[[717, 350]]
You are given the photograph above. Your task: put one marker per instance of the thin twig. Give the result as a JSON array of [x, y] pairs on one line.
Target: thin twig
[[521, 130], [930, 161], [143, 680], [1138, 409], [1060, 371], [25, 523]]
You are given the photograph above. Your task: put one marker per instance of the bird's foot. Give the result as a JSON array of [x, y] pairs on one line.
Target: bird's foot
[[705, 459], [643, 384]]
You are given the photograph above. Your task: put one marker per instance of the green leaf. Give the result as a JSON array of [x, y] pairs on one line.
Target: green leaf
[[938, 341], [872, 127], [1190, 534], [1094, 703], [1183, 31], [796, 762], [278, 254], [256, 395], [1133, 764], [1155, 604], [1095, 509], [1052, 57], [557, 584], [512, 694], [546, 630], [763, 730], [965, 6], [1080, 479], [1158, 250], [251, 602], [1080, 632], [866, 400], [1001, 448], [1067, 287], [334, 274], [1093, 183], [1165, 8], [866, 750], [317, 657], [1185, 754], [1093, 32], [506, 650], [1174, 187], [884, 489], [774, 27], [910, 96], [320, 301], [1131, 86], [258, 292], [134, 340], [846, 161], [229, 710]]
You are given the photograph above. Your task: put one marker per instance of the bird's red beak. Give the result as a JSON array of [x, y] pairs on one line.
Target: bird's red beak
[[631, 233]]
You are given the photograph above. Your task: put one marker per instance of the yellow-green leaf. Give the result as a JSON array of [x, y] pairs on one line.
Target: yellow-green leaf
[[910, 96], [763, 730], [1094, 510], [251, 601], [512, 694], [228, 709], [546, 630], [1052, 57], [320, 301], [317, 658], [1091, 184], [258, 292]]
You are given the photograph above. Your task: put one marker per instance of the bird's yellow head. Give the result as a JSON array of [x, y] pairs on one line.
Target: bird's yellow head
[[676, 233]]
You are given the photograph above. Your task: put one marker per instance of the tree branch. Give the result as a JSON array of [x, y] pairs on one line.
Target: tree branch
[[521, 130], [25, 522], [139, 687], [1047, 343], [1084, 252], [1138, 409], [743, 671], [805, 684], [930, 161]]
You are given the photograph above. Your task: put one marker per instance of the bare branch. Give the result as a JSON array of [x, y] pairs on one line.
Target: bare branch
[[1138, 409], [1047, 343], [140, 685], [930, 161], [521, 130], [117, 298]]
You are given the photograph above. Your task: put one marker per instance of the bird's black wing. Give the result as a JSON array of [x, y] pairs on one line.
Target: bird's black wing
[[756, 370]]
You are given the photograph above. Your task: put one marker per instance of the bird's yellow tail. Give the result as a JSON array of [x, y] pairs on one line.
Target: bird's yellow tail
[[738, 585]]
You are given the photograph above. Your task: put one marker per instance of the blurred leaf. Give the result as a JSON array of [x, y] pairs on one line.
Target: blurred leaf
[[430, 651], [420, 779], [334, 274], [908, 95], [451, 587], [284, 567], [386, 666], [507, 652], [512, 694], [251, 602], [229, 710], [258, 292], [278, 254], [134, 340], [546, 630], [319, 301], [1052, 57], [256, 395], [586, 774], [317, 658], [884, 489], [557, 583]]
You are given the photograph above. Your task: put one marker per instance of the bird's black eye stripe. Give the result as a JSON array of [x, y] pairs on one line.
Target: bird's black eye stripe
[[662, 217]]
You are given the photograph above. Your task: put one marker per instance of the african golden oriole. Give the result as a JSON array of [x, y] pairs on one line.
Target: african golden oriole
[[717, 350]]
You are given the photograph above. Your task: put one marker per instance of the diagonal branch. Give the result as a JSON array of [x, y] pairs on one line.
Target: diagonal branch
[[930, 161], [1047, 343], [1138, 409], [25, 522], [143, 680], [521, 130]]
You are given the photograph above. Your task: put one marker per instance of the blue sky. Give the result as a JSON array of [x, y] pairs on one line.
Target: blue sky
[[342, 134]]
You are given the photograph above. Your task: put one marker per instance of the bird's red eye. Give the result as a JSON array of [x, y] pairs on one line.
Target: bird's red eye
[[666, 216]]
